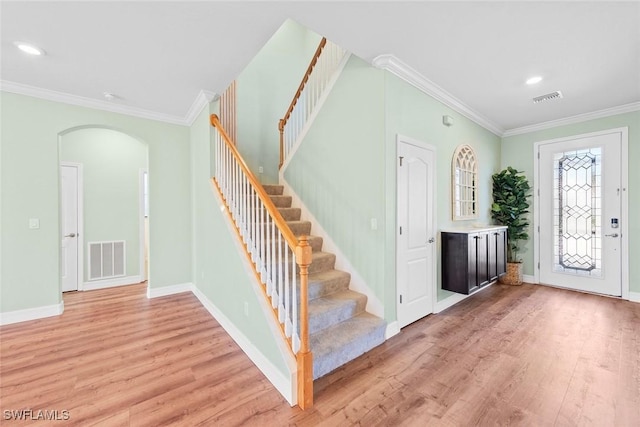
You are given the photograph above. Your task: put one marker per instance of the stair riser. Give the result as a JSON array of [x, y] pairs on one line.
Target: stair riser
[[318, 265], [273, 189], [318, 289], [323, 364], [281, 201], [351, 308]]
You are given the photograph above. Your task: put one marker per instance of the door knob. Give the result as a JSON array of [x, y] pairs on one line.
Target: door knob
[[611, 235], [70, 235], [431, 240]]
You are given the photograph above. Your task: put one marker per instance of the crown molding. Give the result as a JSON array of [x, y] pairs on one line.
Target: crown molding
[[51, 95], [622, 109], [399, 68], [202, 100]]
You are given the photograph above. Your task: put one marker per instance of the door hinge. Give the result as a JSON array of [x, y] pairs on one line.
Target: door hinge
[[538, 229], [538, 266], [538, 192], [400, 230], [538, 154], [400, 299], [401, 157]]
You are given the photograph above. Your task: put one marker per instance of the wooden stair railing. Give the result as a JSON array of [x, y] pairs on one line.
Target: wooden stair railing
[[321, 69], [273, 250]]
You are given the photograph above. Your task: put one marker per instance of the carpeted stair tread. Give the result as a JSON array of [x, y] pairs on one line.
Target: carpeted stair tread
[[334, 308], [328, 282], [290, 214], [300, 228], [334, 346], [273, 190], [281, 201]]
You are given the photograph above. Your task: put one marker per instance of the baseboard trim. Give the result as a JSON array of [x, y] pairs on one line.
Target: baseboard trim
[[449, 302], [27, 314], [529, 279], [393, 329], [111, 283], [455, 299], [634, 296], [169, 290], [283, 384]]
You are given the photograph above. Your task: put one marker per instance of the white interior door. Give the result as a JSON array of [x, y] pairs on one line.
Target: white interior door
[[69, 212], [416, 247], [580, 206]]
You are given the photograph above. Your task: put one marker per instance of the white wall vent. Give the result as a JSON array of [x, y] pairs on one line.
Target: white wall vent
[[548, 97], [106, 259]]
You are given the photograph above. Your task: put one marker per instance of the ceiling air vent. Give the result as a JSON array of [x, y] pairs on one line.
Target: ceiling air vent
[[548, 97]]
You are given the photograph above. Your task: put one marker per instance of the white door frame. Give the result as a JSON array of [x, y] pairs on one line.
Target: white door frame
[[80, 233], [434, 211], [624, 213], [141, 231]]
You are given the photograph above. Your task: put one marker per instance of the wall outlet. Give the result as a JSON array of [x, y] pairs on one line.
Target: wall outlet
[[246, 309], [260, 169], [34, 223]]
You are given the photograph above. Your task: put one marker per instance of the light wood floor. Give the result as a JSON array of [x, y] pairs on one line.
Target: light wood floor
[[527, 355]]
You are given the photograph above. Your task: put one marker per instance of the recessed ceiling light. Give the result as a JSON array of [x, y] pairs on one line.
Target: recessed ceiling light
[[533, 80], [29, 48]]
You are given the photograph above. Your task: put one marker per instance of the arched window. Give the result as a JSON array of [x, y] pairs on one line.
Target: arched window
[[464, 183]]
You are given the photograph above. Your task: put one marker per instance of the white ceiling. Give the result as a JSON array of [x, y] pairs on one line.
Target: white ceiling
[[158, 56]]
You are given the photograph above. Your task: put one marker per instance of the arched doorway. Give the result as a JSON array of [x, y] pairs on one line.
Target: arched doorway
[[104, 213]]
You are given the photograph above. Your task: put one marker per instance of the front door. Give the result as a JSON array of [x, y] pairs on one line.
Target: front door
[[69, 212], [580, 224], [416, 231]]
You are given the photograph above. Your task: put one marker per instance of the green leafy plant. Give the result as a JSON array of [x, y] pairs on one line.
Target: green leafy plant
[[510, 207]]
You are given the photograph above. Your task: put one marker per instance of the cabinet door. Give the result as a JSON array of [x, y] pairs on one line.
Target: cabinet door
[[472, 272], [497, 254], [501, 252], [482, 258]]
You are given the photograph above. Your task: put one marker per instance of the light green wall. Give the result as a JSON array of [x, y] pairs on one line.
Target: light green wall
[[30, 189], [265, 89], [218, 270], [410, 112], [345, 169], [112, 162], [517, 151], [338, 170]]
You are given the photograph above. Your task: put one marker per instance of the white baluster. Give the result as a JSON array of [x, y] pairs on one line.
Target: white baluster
[[286, 273]]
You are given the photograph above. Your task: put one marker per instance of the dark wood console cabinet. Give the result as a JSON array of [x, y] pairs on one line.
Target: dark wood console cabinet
[[473, 258]]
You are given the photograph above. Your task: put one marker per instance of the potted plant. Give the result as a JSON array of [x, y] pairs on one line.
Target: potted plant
[[510, 207]]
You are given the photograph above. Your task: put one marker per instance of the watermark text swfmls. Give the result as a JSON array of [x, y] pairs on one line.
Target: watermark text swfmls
[[36, 415]]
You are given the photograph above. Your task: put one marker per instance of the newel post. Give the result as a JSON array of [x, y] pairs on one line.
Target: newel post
[[304, 357], [281, 129]]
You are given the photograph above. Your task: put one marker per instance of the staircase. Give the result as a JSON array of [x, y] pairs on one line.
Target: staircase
[[339, 327]]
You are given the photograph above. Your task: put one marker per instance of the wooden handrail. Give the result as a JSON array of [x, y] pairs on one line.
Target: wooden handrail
[[282, 225], [303, 257], [283, 122]]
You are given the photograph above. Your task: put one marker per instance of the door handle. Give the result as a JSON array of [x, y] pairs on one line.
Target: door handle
[[70, 235], [431, 240], [611, 235]]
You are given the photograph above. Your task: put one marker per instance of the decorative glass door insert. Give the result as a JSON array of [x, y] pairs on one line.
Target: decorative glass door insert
[[577, 227]]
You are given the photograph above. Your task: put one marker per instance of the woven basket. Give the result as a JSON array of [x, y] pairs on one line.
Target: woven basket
[[513, 276]]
